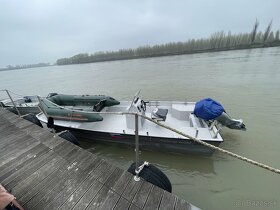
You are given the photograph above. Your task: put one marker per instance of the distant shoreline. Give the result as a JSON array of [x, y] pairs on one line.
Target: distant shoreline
[[159, 55], [256, 46], [24, 67]]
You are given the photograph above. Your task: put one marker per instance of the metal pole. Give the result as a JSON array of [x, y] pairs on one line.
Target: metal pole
[[136, 177], [13, 102], [41, 107]]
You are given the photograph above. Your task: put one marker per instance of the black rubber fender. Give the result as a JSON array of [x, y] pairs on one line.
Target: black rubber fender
[[67, 135], [13, 110], [50, 123], [32, 118], [153, 175]]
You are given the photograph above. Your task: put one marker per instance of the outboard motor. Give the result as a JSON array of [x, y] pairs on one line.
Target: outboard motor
[[210, 110], [225, 120]]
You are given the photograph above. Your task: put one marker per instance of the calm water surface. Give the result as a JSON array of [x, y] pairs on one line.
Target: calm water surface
[[246, 82]]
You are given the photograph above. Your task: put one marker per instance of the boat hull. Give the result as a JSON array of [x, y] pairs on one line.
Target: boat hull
[[24, 110], [170, 145]]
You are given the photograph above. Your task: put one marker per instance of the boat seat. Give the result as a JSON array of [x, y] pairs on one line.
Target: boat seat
[[99, 106], [159, 114]]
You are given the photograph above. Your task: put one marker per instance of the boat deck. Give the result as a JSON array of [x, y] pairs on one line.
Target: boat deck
[[179, 116], [47, 172]]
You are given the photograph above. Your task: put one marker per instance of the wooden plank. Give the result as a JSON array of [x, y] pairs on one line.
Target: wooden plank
[[51, 183], [4, 123], [74, 198], [92, 164], [86, 159], [55, 187], [10, 142], [37, 177], [131, 189], [110, 202], [22, 148], [52, 141], [28, 169], [79, 192], [47, 138], [22, 123], [12, 119], [72, 155], [33, 129], [103, 171], [88, 196], [133, 207], [168, 201], [75, 176], [37, 133], [16, 145], [113, 178], [64, 150], [39, 189], [154, 199], [10, 116], [99, 199], [8, 131], [122, 204], [141, 196], [19, 162], [64, 194], [20, 159], [47, 191], [10, 139], [5, 128], [107, 174], [16, 120], [182, 205], [122, 182], [62, 146]]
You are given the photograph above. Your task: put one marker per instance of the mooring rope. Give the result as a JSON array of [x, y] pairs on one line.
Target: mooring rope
[[248, 160], [13, 93]]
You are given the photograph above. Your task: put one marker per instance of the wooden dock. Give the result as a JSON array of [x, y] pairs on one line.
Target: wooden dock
[[47, 172]]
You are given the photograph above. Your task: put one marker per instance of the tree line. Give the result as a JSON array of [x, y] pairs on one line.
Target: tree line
[[25, 66], [218, 41]]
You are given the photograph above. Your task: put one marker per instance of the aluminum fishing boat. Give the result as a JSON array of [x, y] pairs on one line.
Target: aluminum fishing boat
[[102, 118], [25, 105]]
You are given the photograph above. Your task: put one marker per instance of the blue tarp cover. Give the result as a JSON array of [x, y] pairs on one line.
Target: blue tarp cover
[[208, 109]]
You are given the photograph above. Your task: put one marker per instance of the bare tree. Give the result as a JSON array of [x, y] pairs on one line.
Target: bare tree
[[267, 32], [254, 31]]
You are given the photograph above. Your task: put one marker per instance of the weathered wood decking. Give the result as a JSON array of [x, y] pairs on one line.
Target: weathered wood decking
[[47, 172]]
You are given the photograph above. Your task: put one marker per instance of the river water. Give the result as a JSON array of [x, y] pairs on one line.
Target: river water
[[246, 82]]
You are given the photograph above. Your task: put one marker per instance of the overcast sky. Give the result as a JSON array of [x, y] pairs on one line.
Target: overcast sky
[[35, 31]]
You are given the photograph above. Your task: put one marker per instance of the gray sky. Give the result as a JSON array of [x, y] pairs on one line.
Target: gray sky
[[35, 31]]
